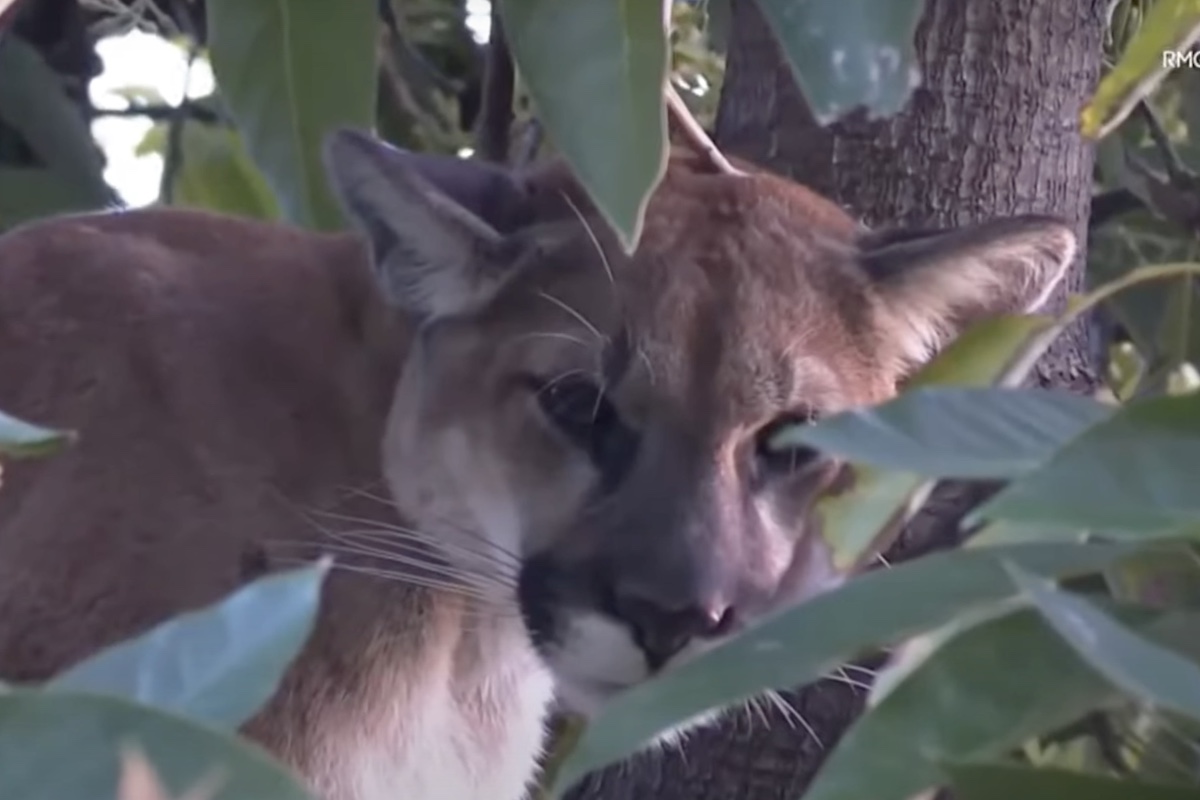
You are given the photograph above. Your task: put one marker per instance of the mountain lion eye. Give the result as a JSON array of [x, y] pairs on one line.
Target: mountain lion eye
[[776, 452], [575, 405], [582, 413]]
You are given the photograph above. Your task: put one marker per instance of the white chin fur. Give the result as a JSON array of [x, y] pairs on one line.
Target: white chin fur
[[598, 660]]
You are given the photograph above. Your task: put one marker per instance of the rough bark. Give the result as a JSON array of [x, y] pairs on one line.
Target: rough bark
[[992, 130]]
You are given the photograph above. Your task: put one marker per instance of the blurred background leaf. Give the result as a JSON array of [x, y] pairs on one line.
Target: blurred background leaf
[[217, 665]]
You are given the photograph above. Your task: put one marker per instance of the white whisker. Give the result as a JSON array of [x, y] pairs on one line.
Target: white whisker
[[591, 235], [580, 318], [793, 716], [554, 335]]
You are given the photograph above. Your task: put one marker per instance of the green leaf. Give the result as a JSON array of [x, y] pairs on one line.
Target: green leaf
[[1158, 579], [20, 439], [596, 72], [31, 193], [957, 695], [1165, 744], [805, 642], [1006, 532], [1141, 668], [1169, 26], [849, 53], [954, 431], [979, 781], [67, 747], [983, 353], [860, 521], [290, 71], [1134, 471], [219, 664], [215, 172], [34, 103], [953, 694]]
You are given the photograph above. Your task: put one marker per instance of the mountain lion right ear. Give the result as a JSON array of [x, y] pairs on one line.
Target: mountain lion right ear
[[935, 284], [436, 225]]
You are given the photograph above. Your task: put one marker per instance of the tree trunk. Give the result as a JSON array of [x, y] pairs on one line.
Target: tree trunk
[[992, 130]]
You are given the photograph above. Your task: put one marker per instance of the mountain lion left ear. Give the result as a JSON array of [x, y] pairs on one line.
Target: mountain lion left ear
[[935, 284], [438, 227]]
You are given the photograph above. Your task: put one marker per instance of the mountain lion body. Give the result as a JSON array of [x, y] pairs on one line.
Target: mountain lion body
[[543, 466]]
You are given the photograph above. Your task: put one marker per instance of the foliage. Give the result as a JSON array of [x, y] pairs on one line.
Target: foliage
[[1054, 656], [20, 439], [272, 59], [569, 55], [68, 176], [65, 738]]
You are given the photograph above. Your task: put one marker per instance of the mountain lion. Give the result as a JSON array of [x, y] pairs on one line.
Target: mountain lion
[[543, 467]]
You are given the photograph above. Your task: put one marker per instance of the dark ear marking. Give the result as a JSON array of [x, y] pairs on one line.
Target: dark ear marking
[[440, 229], [935, 283]]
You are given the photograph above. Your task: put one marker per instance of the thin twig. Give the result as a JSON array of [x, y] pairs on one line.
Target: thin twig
[[195, 112], [173, 154], [694, 134], [687, 125], [1177, 173]]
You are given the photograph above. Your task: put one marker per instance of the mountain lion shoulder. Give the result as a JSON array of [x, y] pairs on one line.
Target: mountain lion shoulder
[[544, 467]]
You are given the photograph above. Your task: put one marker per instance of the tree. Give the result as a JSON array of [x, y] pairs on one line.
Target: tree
[[990, 131]]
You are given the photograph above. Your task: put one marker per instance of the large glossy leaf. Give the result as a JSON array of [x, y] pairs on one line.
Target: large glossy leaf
[[20, 439], [289, 72], [219, 664], [596, 72], [859, 522], [849, 53], [29, 193], [1006, 532], [956, 432], [983, 353], [1170, 26], [805, 642], [1158, 579], [1135, 470], [68, 746], [983, 781], [215, 171], [958, 694], [1145, 670], [34, 103]]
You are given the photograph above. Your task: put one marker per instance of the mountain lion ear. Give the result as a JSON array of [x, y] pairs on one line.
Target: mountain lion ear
[[437, 226], [935, 284]]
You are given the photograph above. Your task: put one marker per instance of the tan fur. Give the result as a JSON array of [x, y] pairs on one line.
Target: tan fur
[[247, 398]]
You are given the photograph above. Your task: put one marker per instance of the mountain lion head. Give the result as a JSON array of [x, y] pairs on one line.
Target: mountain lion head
[[589, 434]]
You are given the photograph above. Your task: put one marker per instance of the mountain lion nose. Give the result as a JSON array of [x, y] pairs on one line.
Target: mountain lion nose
[[662, 632]]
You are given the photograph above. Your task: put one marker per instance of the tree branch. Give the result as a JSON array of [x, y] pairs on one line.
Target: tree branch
[[496, 112], [1109, 205], [195, 112], [693, 133], [1177, 173]]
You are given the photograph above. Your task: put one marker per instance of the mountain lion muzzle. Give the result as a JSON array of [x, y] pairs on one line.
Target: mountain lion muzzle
[[542, 466]]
